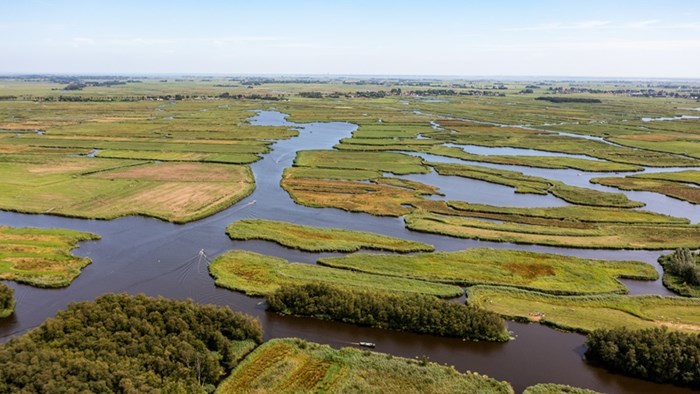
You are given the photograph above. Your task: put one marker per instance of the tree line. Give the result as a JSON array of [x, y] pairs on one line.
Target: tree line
[[654, 354], [7, 300], [129, 344], [570, 100], [405, 312], [683, 264]]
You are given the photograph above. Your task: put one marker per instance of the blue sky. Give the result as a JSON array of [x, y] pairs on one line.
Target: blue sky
[[468, 38]]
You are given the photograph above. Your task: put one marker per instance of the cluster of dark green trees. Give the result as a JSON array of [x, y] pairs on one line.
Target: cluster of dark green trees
[[653, 354], [129, 344], [7, 300], [683, 264], [405, 312], [570, 100]]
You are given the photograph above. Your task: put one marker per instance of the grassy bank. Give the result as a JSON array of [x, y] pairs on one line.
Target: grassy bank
[[682, 185], [381, 199], [314, 239], [257, 274], [587, 313], [294, 366], [551, 388], [550, 273], [41, 257], [395, 163], [610, 236], [562, 216]]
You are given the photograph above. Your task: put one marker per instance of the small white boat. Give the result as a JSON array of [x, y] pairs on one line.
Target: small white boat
[[368, 344]]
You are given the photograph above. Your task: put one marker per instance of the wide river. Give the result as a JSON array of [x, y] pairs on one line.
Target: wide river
[[144, 255]]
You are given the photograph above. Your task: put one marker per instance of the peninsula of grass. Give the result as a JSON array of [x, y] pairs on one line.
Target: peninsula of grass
[[7, 300], [586, 313], [258, 275], [417, 313], [375, 197], [563, 216], [287, 366], [601, 236], [551, 388], [682, 272], [314, 239], [395, 163], [41, 257], [683, 185], [129, 344], [551, 273], [536, 185]]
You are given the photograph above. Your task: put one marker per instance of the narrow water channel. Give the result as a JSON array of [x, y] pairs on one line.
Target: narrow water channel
[[144, 255]]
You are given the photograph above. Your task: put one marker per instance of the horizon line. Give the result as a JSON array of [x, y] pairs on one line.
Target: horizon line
[[514, 77]]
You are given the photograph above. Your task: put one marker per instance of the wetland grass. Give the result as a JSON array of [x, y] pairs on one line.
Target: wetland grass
[[314, 239], [256, 274], [41, 257], [550, 273], [294, 365], [590, 312]]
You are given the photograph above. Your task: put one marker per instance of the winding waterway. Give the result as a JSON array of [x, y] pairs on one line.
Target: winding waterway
[[144, 255]]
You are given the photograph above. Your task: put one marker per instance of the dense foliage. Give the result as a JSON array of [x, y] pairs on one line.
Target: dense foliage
[[570, 100], [405, 312], [7, 300], [653, 354], [683, 264], [121, 343]]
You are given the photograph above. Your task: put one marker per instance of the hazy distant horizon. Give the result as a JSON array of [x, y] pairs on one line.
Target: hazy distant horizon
[[512, 78], [639, 40]]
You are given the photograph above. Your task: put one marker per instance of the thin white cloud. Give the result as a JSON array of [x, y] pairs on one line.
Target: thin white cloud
[[602, 45], [581, 25], [651, 24]]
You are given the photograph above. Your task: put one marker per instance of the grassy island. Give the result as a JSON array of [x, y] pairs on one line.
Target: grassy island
[[587, 313], [257, 274], [683, 185], [41, 257], [555, 274], [313, 239]]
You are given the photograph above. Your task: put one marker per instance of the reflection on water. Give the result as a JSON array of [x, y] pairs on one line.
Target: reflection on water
[[144, 255]]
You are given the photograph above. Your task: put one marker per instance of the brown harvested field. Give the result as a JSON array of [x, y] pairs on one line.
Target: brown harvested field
[[383, 200], [174, 172]]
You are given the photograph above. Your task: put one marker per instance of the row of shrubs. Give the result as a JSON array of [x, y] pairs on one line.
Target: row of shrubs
[[405, 312]]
